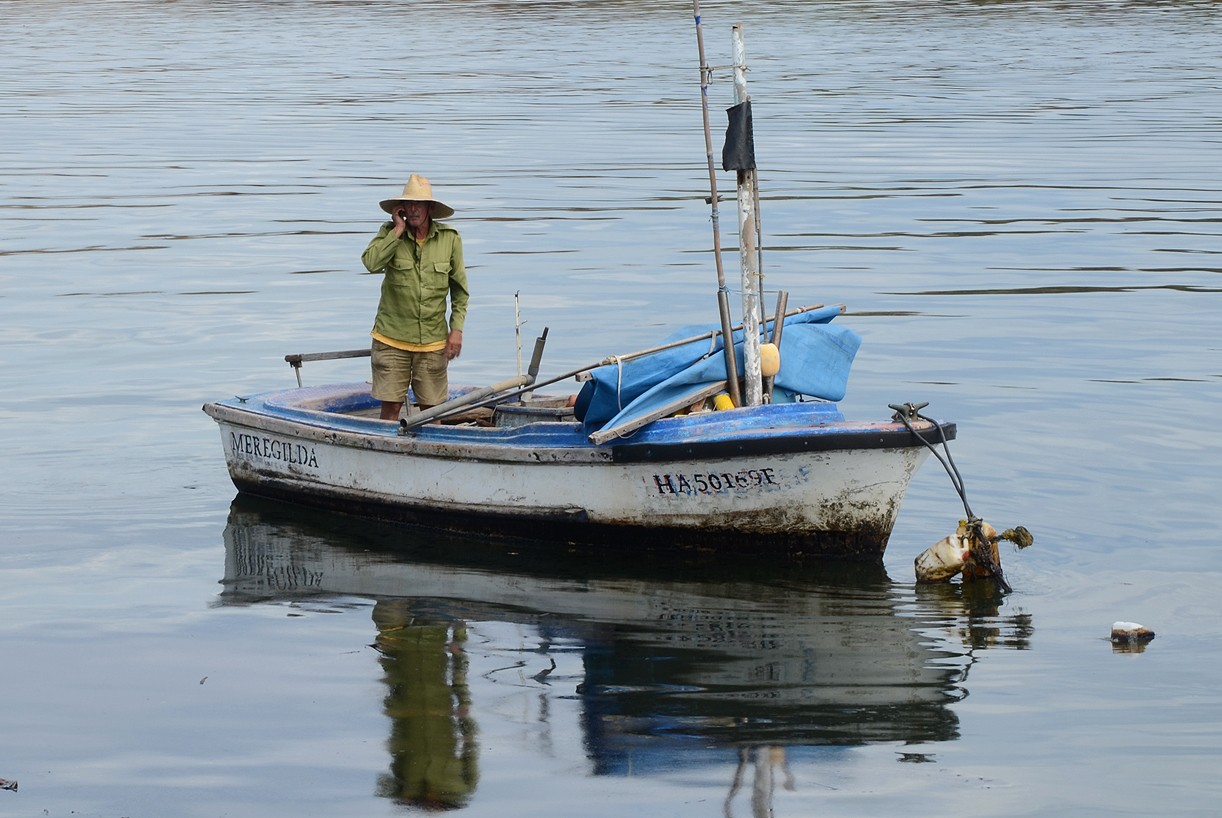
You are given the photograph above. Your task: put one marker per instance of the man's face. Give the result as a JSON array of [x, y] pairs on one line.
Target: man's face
[[416, 214]]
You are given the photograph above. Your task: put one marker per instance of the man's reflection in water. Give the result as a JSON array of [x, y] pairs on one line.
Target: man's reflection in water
[[434, 762]]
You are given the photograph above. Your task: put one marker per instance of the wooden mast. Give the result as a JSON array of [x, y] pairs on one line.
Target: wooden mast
[[723, 295]]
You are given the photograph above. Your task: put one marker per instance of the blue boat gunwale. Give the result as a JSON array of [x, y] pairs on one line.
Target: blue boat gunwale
[[806, 426]]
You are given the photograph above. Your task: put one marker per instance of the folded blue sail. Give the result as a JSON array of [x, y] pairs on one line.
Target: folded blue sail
[[815, 360]]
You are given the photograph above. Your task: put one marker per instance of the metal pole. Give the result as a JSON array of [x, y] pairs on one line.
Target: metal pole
[[723, 295], [517, 329], [752, 380]]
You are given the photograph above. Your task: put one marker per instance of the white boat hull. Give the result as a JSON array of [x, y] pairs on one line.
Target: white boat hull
[[751, 491]]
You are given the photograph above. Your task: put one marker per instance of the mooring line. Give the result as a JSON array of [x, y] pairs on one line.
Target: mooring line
[[909, 410], [982, 545]]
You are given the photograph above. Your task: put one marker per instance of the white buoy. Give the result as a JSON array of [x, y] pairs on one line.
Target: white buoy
[[943, 559]]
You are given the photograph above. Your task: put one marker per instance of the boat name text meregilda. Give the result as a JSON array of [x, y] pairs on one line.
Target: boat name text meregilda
[[269, 448]]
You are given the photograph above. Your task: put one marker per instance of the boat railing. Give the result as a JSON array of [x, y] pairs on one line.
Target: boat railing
[[296, 360]]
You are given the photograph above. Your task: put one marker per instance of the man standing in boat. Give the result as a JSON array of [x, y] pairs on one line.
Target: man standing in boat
[[422, 262]]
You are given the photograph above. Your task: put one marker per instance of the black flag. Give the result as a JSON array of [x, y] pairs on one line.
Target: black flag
[[739, 150]]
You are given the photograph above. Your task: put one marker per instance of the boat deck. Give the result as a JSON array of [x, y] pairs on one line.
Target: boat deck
[[480, 416]]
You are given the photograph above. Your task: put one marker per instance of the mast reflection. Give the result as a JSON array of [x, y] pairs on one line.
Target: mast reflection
[[672, 663]]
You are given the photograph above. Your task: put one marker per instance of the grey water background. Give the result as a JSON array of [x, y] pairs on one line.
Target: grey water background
[[1019, 203]]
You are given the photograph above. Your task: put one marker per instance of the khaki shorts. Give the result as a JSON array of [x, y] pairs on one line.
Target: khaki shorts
[[396, 369]]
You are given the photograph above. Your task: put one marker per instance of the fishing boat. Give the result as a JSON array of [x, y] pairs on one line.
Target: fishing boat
[[726, 438]]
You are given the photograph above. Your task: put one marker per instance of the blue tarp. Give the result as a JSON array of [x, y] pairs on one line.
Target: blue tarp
[[815, 360]]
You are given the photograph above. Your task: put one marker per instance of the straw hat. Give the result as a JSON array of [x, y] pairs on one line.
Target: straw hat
[[418, 189]]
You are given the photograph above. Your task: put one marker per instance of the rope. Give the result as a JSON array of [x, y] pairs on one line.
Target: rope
[[982, 549], [619, 380], [902, 413]]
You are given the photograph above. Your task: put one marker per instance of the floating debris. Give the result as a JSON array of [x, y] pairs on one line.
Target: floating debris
[[1130, 633], [542, 675], [5, 784], [1018, 535]]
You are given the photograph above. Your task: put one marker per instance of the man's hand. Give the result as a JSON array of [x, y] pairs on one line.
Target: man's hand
[[453, 344]]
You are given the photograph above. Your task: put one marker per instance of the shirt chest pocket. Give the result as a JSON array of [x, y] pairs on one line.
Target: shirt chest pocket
[[435, 276]]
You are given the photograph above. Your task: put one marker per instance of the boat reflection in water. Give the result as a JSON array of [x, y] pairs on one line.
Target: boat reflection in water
[[671, 663]]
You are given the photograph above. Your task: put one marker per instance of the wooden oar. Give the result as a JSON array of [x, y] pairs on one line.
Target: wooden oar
[[524, 383], [615, 359]]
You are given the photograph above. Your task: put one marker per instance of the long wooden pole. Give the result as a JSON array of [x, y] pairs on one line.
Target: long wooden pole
[[723, 294]]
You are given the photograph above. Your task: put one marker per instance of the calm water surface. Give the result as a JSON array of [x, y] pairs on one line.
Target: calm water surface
[[1020, 204]]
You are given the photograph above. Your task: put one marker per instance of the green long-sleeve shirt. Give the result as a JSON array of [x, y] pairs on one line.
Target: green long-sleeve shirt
[[418, 279]]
